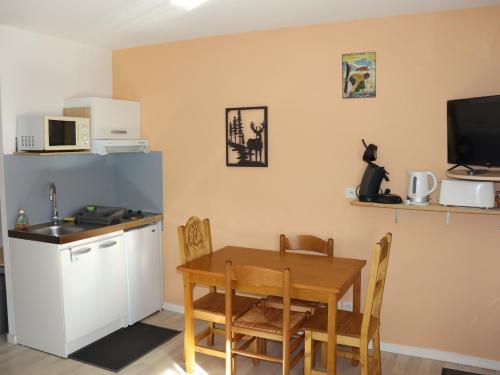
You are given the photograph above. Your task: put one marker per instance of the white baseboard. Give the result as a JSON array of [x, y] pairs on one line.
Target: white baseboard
[[413, 351], [173, 307], [440, 355], [11, 339]]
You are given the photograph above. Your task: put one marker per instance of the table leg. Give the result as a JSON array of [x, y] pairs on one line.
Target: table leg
[[331, 363], [188, 325], [356, 294], [356, 307]]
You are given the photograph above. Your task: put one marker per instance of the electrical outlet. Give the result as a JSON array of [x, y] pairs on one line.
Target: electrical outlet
[[350, 192], [345, 305]]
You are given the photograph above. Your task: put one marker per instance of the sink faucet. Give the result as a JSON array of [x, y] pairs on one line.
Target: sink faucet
[[52, 197]]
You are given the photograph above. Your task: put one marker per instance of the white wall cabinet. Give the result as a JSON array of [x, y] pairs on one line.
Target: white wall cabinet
[[67, 296], [109, 118]]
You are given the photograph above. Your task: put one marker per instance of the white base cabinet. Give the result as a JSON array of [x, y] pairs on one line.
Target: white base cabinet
[[67, 296], [144, 271]]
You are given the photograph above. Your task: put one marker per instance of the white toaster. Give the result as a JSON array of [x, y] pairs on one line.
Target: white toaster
[[479, 194]]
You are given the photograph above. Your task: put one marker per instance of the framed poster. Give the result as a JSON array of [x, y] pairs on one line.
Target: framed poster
[[246, 137], [358, 75]]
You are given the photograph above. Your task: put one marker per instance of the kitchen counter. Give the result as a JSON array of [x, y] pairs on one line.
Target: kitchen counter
[[76, 232]]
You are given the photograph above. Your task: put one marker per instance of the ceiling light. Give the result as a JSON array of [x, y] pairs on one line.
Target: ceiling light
[[187, 4]]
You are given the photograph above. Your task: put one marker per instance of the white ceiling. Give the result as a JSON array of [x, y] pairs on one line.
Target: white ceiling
[[126, 23]]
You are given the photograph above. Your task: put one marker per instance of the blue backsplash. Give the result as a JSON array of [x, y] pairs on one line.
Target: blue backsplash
[[121, 180]]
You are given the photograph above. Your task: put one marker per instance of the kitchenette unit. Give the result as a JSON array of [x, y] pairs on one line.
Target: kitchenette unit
[[92, 269], [74, 283]]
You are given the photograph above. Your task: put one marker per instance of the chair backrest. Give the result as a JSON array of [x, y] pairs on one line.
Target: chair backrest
[[306, 242], [251, 276], [195, 239], [376, 281]]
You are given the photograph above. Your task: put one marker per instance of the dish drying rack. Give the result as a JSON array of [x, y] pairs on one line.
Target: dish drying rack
[[101, 215]]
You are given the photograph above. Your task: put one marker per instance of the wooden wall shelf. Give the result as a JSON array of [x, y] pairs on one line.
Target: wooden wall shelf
[[431, 207], [52, 153], [493, 175]]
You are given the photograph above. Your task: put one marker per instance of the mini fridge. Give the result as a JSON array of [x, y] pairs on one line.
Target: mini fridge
[[143, 253]]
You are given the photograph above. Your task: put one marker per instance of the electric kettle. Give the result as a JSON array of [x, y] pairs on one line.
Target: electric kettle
[[418, 187]]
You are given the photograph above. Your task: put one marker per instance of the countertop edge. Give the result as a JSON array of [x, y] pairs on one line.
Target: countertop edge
[[87, 233]]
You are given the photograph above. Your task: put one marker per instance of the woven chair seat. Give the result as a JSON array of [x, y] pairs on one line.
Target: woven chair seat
[[215, 303], [295, 304], [348, 322], [269, 320]]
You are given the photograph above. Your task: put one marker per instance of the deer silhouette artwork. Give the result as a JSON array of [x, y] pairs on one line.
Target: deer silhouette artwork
[[255, 144]]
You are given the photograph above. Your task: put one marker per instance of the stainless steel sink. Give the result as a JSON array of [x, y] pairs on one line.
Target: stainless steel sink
[[57, 230]]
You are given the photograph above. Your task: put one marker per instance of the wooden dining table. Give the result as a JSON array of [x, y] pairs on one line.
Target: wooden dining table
[[313, 278]]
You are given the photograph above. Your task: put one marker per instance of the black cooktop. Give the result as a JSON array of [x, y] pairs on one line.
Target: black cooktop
[[132, 215]]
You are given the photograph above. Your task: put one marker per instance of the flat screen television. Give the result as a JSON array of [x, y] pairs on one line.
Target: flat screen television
[[474, 131]]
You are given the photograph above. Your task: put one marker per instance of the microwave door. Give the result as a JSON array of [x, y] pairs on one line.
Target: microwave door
[[61, 134]]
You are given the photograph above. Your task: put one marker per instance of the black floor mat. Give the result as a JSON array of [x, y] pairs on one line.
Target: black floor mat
[[120, 348], [447, 371]]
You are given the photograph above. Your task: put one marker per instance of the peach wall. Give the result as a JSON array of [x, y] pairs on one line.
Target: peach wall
[[443, 288]]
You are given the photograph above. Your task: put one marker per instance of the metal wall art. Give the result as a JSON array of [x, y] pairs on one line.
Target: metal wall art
[[246, 137]]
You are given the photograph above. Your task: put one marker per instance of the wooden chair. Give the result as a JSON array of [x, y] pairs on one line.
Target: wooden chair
[[355, 330], [195, 241], [262, 322], [308, 243], [303, 242]]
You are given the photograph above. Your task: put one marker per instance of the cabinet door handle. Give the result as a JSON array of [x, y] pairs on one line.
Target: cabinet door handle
[[81, 251], [75, 253], [107, 244], [118, 132]]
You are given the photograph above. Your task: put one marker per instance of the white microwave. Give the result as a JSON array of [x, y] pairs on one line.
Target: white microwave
[[52, 133]]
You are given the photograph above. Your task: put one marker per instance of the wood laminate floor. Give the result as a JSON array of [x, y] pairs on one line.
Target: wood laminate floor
[[167, 360]]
